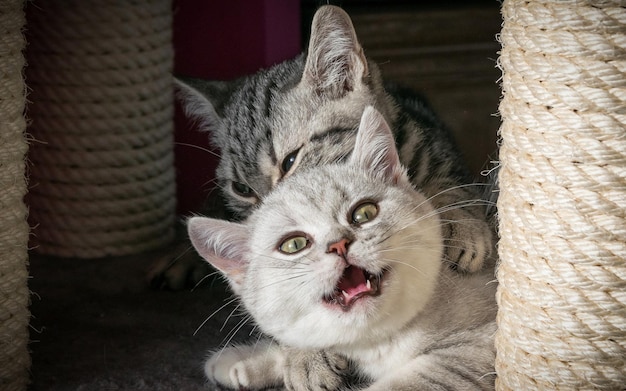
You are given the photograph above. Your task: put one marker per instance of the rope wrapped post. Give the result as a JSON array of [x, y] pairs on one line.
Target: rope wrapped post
[[14, 294], [102, 176], [562, 205]]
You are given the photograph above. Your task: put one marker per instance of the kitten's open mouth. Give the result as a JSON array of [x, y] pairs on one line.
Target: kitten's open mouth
[[354, 284]]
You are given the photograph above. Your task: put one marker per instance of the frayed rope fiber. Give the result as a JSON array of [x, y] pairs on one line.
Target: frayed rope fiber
[[14, 294], [562, 204], [102, 175]]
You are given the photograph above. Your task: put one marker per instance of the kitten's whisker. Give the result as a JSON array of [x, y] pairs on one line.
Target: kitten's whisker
[[442, 275], [212, 184], [205, 277], [259, 335], [198, 147], [435, 212], [229, 316], [229, 302], [236, 329], [465, 186], [405, 264], [463, 204], [253, 330], [177, 258], [280, 281]]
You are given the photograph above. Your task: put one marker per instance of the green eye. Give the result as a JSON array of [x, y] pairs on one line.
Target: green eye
[[364, 212], [293, 244]]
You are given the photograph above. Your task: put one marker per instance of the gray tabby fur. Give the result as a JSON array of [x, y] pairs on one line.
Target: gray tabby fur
[[313, 104], [427, 327]]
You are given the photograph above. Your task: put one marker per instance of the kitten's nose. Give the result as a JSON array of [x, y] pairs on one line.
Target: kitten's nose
[[340, 247]]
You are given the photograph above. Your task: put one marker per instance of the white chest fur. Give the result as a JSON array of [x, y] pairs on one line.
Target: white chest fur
[[386, 356]]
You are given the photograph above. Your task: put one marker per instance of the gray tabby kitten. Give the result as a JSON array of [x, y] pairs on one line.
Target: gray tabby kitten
[[305, 112], [347, 258]]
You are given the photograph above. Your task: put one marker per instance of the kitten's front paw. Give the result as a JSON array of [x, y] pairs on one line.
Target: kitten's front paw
[[245, 367], [315, 370], [177, 269], [469, 242], [227, 369]]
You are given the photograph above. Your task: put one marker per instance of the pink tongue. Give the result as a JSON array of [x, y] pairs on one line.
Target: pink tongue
[[353, 281]]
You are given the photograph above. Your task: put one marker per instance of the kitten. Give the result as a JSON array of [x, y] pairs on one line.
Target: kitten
[[304, 112], [347, 258]]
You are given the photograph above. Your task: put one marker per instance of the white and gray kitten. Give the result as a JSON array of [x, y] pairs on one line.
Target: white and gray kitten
[[346, 260]]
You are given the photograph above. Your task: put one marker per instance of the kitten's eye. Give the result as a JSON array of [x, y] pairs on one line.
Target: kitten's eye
[[364, 212], [293, 244], [289, 161], [242, 189]]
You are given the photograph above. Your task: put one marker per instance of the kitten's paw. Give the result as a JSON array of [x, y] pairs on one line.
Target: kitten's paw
[[178, 269], [226, 368], [244, 368], [469, 242], [315, 370]]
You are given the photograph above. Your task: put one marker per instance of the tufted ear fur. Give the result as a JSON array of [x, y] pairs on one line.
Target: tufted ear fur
[[375, 149], [203, 100], [223, 244], [335, 63]]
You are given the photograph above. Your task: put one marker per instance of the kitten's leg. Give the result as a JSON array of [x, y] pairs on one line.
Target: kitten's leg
[[250, 367], [307, 370], [465, 362], [422, 374], [435, 373], [179, 268], [468, 237]]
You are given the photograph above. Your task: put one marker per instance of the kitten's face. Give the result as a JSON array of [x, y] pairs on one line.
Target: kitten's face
[[341, 253], [270, 139], [297, 114], [340, 257]]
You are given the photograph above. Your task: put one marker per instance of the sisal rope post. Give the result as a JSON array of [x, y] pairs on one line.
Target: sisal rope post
[[14, 293], [102, 176], [562, 205]]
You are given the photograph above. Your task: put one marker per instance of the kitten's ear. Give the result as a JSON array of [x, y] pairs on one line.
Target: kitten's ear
[[375, 149], [203, 100], [335, 62], [223, 244]]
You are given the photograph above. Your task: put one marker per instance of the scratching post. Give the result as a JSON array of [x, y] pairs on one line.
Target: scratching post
[[14, 313], [562, 206], [102, 176]]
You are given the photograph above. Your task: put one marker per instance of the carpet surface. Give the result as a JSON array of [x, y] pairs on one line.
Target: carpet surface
[[97, 325]]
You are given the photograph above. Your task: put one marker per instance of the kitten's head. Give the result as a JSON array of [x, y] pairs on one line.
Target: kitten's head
[[336, 255], [300, 113]]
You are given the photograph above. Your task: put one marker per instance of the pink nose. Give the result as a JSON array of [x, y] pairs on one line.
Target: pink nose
[[340, 247]]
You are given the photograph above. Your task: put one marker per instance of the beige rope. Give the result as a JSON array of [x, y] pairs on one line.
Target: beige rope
[[14, 294], [562, 205], [102, 177]]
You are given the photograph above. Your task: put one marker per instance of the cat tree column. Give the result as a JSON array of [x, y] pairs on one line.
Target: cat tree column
[[102, 176], [14, 294], [562, 206]]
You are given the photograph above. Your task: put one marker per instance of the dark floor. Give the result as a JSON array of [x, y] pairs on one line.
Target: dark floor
[[96, 325]]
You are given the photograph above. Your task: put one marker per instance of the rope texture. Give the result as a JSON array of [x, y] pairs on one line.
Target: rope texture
[[14, 294], [102, 176], [562, 204]]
